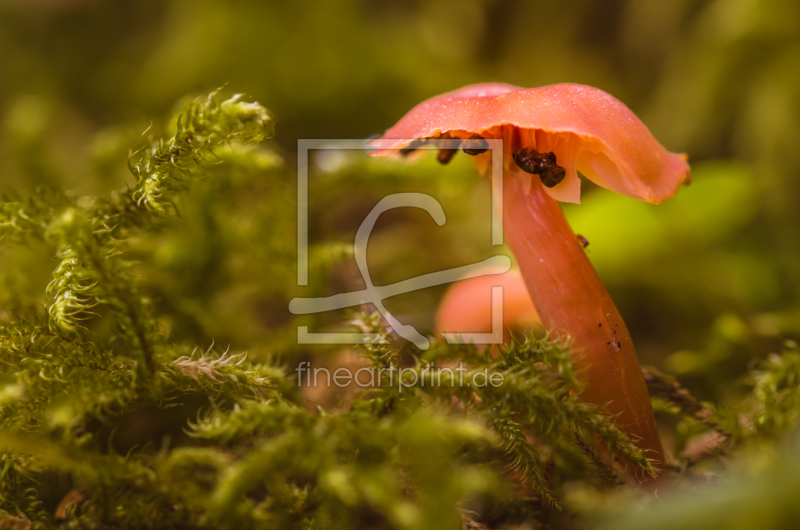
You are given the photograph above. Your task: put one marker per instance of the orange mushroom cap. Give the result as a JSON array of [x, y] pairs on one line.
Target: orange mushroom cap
[[588, 130], [467, 305]]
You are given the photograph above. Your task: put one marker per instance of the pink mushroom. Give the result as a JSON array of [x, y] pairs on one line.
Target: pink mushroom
[[467, 305], [549, 134]]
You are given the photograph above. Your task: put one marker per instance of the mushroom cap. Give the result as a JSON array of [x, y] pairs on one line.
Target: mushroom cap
[[589, 131], [467, 305]]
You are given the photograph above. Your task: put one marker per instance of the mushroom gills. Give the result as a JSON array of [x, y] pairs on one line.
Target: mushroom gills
[[542, 164]]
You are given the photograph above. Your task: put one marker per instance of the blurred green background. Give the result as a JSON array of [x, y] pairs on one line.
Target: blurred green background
[[707, 282]]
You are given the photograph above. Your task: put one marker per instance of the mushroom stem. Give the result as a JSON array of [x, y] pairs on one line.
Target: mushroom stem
[[569, 295]]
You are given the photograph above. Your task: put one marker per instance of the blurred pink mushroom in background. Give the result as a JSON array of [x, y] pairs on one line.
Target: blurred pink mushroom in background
[[467, 305]]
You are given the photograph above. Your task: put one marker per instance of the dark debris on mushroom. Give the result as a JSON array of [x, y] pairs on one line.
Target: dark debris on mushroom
[[542, 164]]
